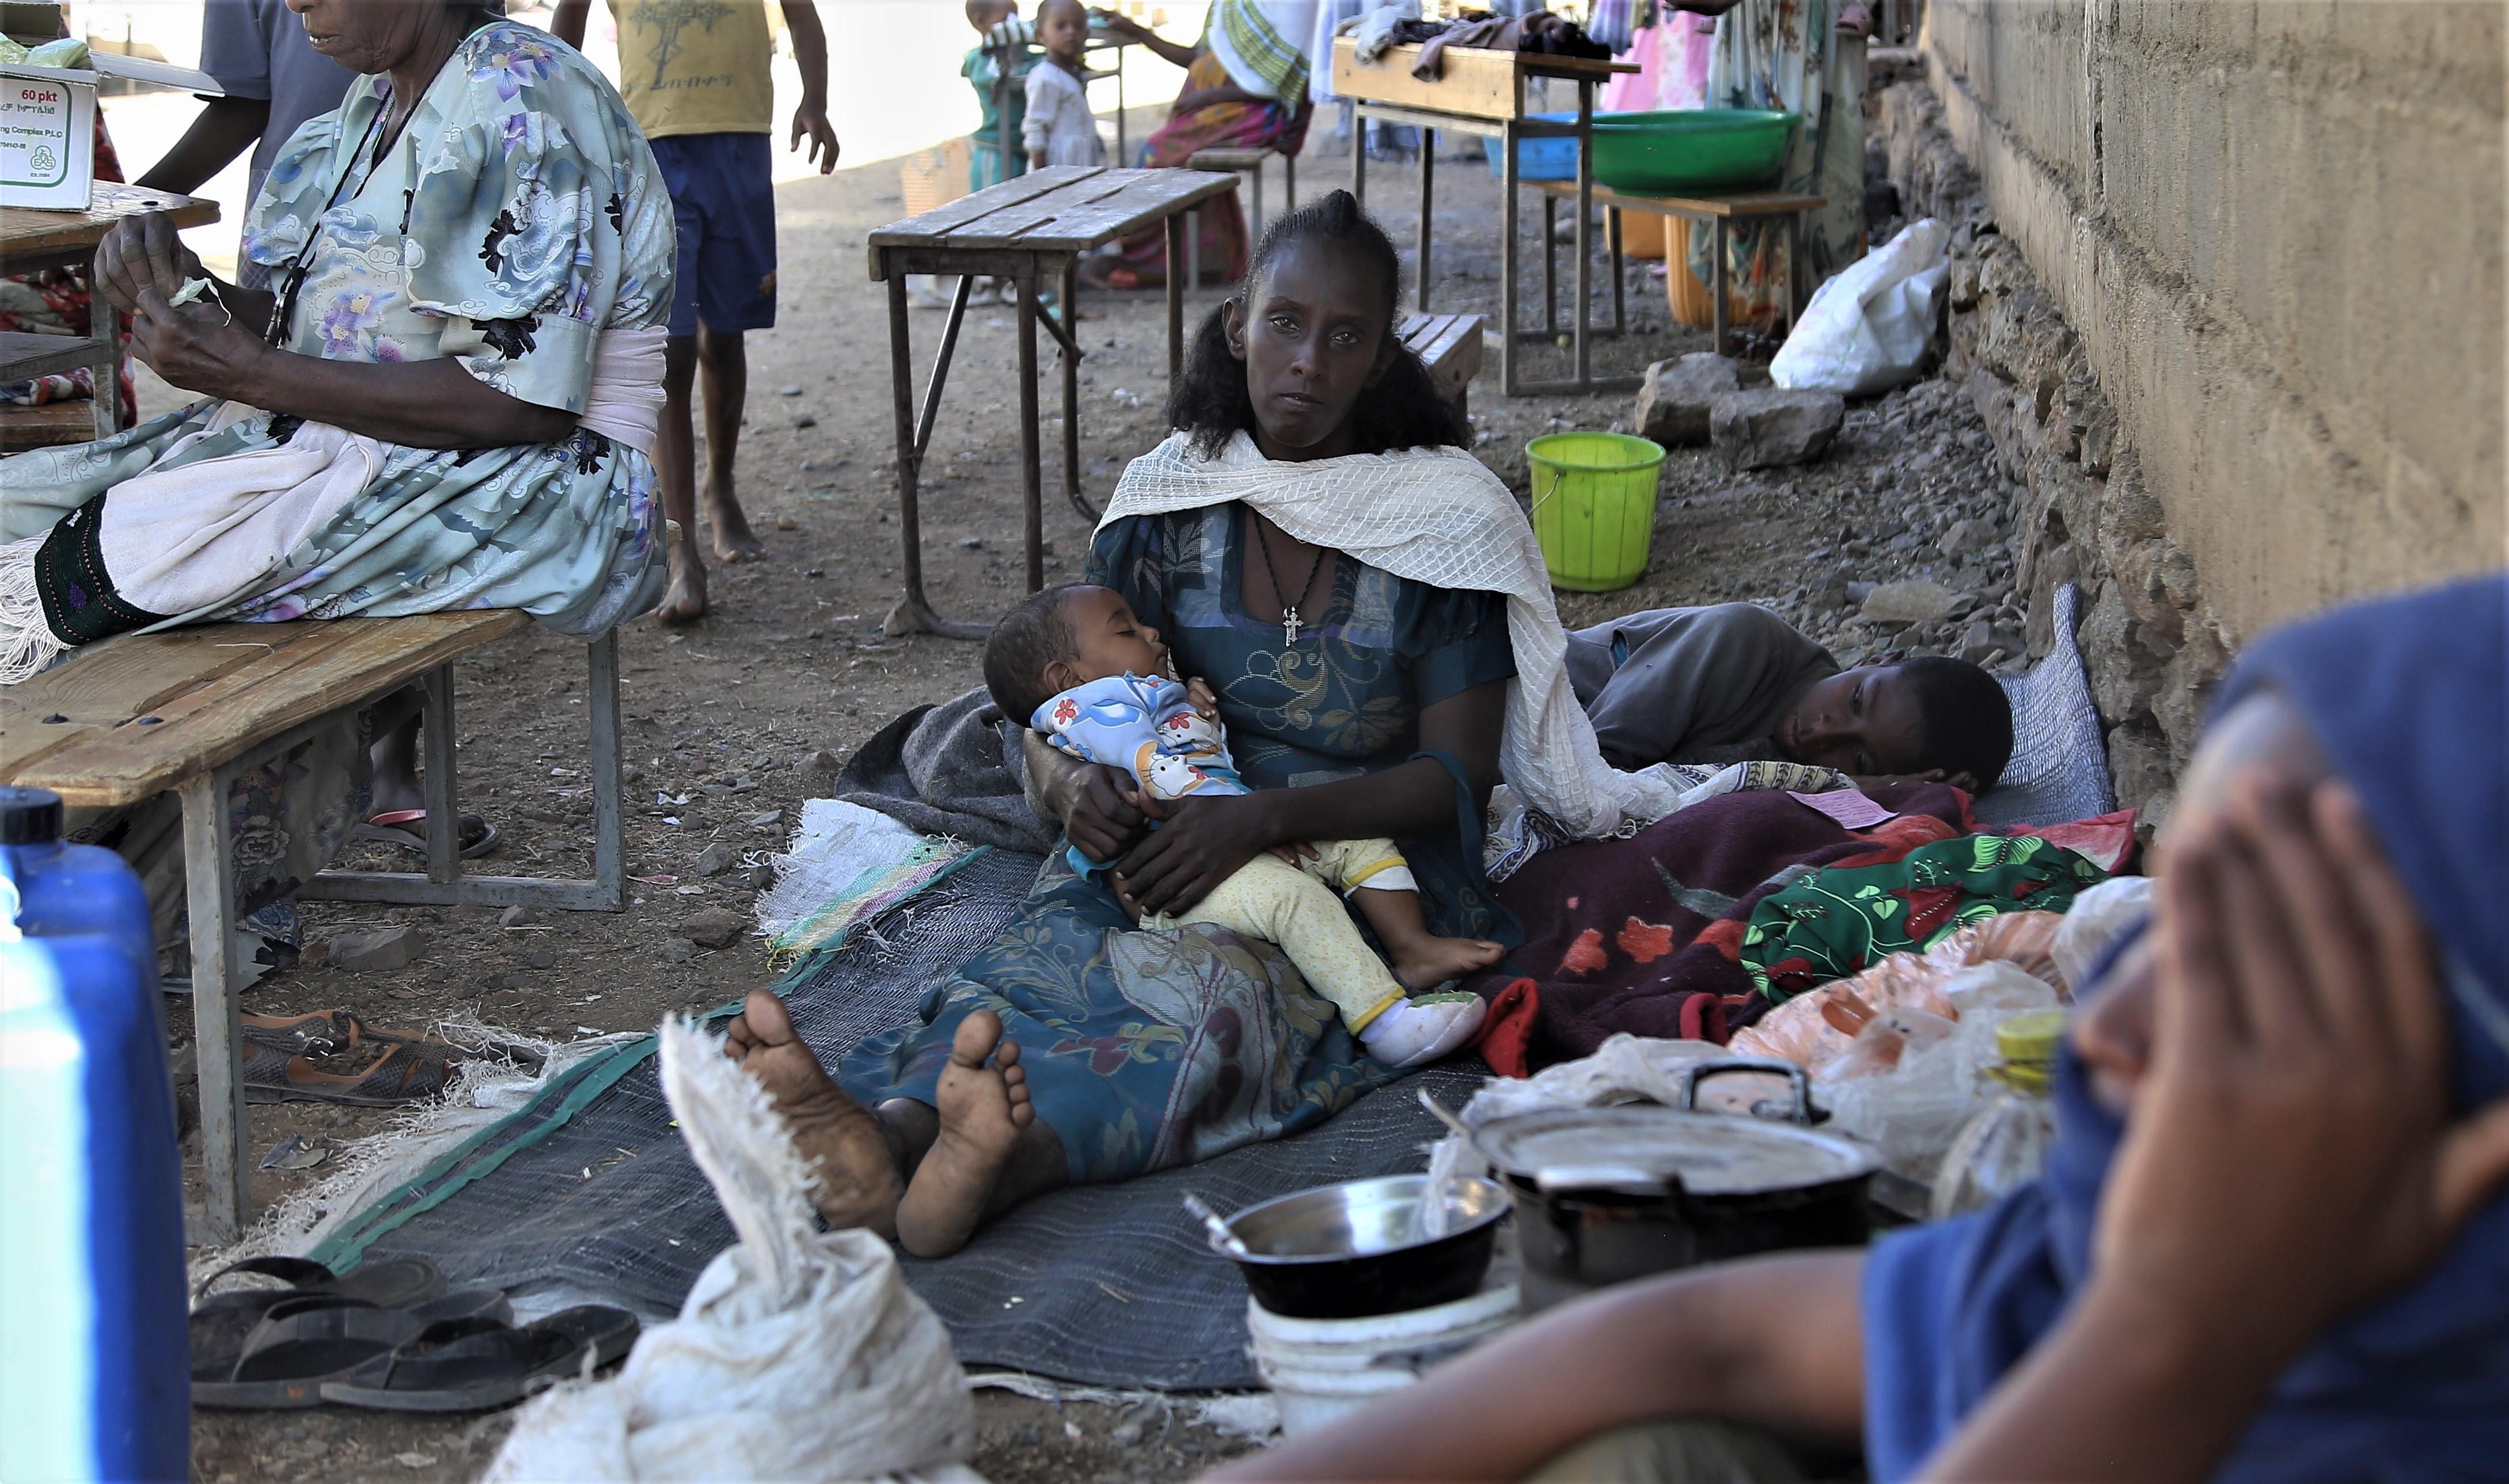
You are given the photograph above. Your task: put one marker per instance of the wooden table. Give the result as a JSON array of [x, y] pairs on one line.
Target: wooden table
[[1480, 91], [187, 711], [1030, 229], [32, 241], [1719, 210]]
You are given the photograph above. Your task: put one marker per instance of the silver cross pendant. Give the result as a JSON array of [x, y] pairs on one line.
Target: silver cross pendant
[[1290, 626]]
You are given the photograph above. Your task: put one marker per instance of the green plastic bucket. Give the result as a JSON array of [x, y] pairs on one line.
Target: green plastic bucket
[[1594, 506]]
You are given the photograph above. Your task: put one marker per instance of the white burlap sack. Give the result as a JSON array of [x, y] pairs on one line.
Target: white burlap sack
[[799, 1354]]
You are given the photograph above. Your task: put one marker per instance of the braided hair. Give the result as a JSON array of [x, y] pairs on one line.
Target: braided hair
[[1404, 410]]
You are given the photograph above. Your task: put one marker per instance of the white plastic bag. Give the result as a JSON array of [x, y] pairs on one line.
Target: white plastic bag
[[1865, 330], [1913, 1110], [800, 1355]]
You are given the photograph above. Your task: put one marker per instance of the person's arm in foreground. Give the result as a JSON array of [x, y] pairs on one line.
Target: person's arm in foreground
[[810, 57], [219, 352], [1205, 840], [1774, 1342], [567, 24], [224, 128], [2289, 1158]]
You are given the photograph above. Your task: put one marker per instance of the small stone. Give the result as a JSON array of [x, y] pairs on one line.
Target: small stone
[[771, 817], [787, 523], [760, 876], [713, 928], [1979, 643], [384, 950], [1857, 592], [1912, 602], [1767, 429], [517, 915], [971, 543], [899, 621], [678, 951], [805, 420], [415, 1460], [1967, 537], [1672, 407], [788, 391], [822, 760], [716, 859], [541, 958]]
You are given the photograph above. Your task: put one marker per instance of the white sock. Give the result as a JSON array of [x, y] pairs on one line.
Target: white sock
[[1417, 1031]]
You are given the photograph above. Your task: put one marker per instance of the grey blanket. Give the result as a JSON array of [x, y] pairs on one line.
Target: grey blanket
[[956, 769]]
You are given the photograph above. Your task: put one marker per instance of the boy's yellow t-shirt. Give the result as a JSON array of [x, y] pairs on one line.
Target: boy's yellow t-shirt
[[696, 66]]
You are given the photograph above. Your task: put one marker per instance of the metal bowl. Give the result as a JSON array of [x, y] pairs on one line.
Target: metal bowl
[[1349, 1251]]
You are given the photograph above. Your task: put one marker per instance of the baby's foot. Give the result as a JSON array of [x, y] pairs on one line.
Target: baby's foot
[[1426, 962], [983, 1109], [1411, 1033]]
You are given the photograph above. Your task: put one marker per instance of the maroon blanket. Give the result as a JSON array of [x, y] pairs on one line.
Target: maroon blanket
[[1640, 935]]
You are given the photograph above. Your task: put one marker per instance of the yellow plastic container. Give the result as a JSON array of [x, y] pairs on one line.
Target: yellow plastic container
[[1594, 506]]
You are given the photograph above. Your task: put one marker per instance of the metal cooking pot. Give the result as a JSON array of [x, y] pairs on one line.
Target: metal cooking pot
[[1605, 1194], [1350, 1251]]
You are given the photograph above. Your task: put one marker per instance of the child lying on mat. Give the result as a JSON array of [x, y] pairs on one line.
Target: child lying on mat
[[1095, 682]]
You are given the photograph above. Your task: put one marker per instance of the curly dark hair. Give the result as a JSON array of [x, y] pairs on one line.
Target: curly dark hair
[[1035, 633], [1404, 410]]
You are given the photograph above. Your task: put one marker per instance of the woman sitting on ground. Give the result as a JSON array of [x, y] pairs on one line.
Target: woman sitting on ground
[[447, 403], [2271, 1242], [1245, 88], [1369, 603]]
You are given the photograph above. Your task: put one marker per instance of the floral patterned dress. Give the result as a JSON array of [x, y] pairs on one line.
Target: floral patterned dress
[[518, 216], [1149, 1049]]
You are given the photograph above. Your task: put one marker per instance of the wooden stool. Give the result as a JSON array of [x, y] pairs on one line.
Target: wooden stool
[[1450, 347], [186, 711], [1248, 162]]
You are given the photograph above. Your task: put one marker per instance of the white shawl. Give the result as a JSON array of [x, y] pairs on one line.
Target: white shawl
[[1437, 516]]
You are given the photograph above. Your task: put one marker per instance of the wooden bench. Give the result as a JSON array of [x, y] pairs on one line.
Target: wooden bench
[[1450, 347], [1249, 163], [45, 427], [187, 711]]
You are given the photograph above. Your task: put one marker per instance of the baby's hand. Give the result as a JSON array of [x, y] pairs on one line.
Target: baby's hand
[[1204, 700]]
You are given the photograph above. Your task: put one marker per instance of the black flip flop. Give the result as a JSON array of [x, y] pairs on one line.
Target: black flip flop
[[303, 1342], [470, 1366], [220, 1323]]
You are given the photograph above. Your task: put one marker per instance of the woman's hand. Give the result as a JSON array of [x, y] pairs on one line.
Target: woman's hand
[[1202, 843], [140, 253], [1107, 812], [2290, 1157], [199, 348]]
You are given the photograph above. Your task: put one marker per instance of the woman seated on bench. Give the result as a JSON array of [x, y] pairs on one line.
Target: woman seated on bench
[[2271, 1242], [448, 403]]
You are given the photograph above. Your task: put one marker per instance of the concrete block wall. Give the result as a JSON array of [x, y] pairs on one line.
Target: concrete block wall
[[2231, 294]]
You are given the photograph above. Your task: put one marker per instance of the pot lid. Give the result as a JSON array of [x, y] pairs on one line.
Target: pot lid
[[1714, 1154]]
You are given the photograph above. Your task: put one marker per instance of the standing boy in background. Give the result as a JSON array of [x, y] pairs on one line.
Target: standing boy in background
[[695, 75]]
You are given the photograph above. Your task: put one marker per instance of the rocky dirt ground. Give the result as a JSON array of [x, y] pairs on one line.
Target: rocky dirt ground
[[734, 720]]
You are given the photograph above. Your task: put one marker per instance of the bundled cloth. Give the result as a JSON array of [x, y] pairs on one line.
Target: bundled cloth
[[799, 1354], [959, 769]]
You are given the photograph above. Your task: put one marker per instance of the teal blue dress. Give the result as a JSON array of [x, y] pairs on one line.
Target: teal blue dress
[[1149, 1049]]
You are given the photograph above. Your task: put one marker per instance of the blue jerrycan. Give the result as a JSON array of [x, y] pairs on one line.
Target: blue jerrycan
[[94, 1365]]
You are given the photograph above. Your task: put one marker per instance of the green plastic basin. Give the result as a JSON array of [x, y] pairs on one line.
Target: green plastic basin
[[1693, 150]]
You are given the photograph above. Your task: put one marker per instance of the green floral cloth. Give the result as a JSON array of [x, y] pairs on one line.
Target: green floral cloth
[[1840, 920]]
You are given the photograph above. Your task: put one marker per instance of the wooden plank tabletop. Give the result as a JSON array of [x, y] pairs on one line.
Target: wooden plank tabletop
[[1748, 204], [24, 355], [136, 714], [26, 232], [1066, 208]]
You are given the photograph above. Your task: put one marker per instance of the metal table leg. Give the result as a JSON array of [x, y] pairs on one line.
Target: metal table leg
[[1612, 237], [437, 789], [1428, 183], [217, 1032], [1507, 183], [1584, 367], [1070, 351], [104, 327], [909, 517], [1550, 264], [1193, 248], [1176, 300], [1358, 158], [1794, 265], [1032, 476], [1289, 180], [609, 822], [1716, 247]]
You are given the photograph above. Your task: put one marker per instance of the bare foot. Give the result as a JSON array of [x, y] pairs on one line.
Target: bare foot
[[733, 540], [844, 1140], [1426, 962], [983, 1109], [686, 600]]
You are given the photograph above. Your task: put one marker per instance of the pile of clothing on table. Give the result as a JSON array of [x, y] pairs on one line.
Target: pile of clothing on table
[[1396, 25]]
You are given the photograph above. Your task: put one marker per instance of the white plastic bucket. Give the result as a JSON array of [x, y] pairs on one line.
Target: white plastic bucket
[[1318, 1369]]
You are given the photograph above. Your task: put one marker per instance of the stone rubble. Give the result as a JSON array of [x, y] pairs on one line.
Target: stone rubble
[[1773, 427], [1674, 405]]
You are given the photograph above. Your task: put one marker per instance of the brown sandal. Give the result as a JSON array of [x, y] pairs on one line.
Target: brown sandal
[[401, 1074]]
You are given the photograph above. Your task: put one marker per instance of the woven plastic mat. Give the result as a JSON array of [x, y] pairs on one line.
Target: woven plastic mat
[[590, 1192]]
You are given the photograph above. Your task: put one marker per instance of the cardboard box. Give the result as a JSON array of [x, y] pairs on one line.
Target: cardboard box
[[48, 125]]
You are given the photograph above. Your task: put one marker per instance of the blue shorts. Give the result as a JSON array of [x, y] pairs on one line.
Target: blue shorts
[[723, 197]]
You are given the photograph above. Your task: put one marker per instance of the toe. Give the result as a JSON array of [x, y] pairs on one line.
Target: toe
[[766, 1021], [1006, 1055], [976, 1037]]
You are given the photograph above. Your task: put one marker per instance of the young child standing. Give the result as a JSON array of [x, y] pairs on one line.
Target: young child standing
[[1095, 681], [695, 75], [1058, 127], [1003, 38]]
